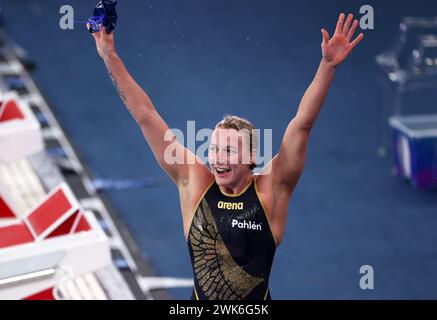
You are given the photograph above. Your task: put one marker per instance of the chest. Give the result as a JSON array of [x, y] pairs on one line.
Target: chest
[[240, 222]]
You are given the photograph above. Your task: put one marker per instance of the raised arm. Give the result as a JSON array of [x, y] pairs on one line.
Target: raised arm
[[140, 106], [288, 165]]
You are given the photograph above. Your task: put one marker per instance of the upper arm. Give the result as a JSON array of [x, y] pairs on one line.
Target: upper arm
[[280, 176], [287, 166], [176, 160]]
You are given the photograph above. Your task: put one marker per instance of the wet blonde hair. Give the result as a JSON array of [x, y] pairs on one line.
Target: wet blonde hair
[[238, 123]]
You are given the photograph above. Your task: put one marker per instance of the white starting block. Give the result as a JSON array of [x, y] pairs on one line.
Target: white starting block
[[20, 131], [50, 243]]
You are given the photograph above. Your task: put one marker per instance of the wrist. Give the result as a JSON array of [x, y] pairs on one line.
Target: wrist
[[328, 65], [107, 57]]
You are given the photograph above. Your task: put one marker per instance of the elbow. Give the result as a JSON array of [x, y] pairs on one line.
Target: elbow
[[142, 115], [303, 123], [306, 127], [143, 120]]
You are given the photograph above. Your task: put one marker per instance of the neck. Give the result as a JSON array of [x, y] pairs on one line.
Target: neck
[[238, 187]]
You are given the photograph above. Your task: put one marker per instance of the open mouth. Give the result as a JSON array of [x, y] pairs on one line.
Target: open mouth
[[222, 171]]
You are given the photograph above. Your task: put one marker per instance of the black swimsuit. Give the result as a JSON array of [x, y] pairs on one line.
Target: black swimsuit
[[231, 246]]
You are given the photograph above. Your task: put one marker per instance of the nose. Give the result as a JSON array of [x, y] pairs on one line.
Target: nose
[[222, 157]]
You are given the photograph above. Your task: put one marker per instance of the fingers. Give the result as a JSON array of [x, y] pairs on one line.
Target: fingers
[[105, 35], [340, 21], [96, 35], [347, 24], [345, 28], [109, 35], [352, 30], [357, 40], [101, 35], [325, 35]]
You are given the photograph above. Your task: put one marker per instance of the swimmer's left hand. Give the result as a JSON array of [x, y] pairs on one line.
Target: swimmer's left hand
[[336, 49]]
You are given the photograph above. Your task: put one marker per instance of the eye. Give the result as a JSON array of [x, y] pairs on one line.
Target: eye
[[213, 149], [231, 150]]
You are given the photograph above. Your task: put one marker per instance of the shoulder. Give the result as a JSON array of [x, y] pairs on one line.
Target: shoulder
[[199, 181]]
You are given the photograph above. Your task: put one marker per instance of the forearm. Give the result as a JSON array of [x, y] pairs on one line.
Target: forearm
[[132, 95], [312, 101]]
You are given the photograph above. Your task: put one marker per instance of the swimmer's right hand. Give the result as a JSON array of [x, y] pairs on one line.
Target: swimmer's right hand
[[104, 43]]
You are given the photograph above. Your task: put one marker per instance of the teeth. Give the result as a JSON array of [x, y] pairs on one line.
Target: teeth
[[222, 170]]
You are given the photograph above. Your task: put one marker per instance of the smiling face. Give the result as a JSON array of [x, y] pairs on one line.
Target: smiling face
[[230, 156]]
